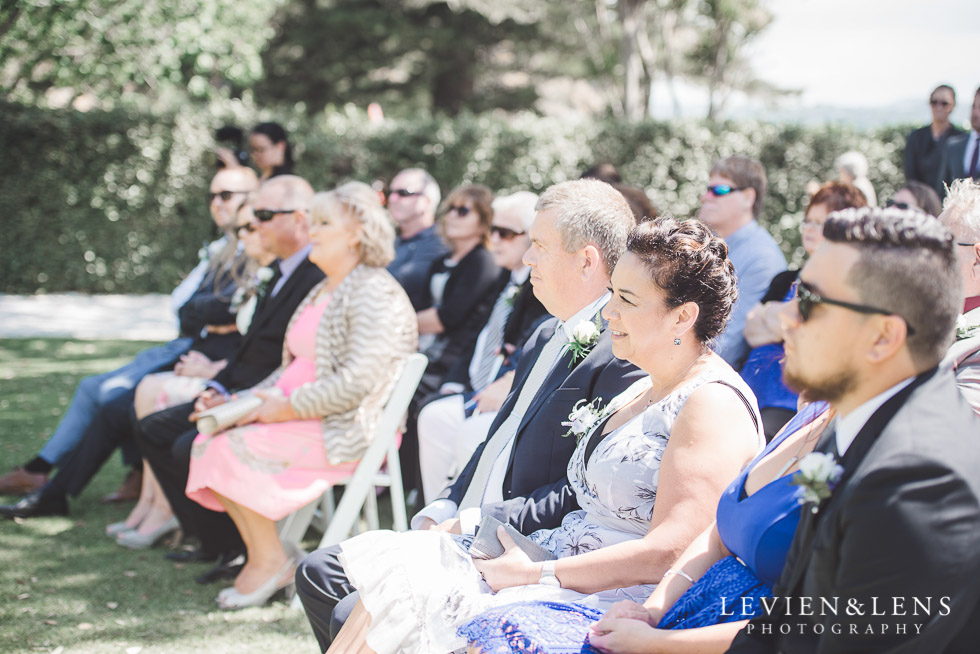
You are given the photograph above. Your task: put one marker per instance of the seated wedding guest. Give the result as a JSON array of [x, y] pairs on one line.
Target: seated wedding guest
[[740, 555], [443, 450], [413, 198], [924, 147], [640, 203], [763, 331], [518, 474], [101, 404], [961, 159], [852, 168], [461, 290], [961, 215], [917, 196], [184, 383], [899, 516], [270, 149], [281, 208], [344, 348], [730, 207], [604, 172], [690, 424]]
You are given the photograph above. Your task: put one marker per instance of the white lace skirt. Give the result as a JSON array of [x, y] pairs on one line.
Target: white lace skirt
[[420, 586]]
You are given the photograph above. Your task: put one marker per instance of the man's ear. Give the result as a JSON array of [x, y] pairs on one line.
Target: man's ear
[[591, 260], [750, 195], [891, 335]]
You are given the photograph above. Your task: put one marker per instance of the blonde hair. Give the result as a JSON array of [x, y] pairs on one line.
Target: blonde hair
[[961, 209], [356, 201]]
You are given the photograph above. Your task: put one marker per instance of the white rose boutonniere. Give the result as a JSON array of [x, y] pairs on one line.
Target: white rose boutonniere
[[817, 477], [511, 296], [263, 276], [584, 337], [584, 417], [966, 328]]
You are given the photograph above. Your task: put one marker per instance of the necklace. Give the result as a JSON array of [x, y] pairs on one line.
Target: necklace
[[653, 393], [814, 434]]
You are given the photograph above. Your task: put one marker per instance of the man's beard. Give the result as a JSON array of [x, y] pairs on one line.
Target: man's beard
[[829, 389]]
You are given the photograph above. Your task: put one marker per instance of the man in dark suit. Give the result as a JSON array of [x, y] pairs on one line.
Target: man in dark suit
[[518, 473], [890, 561], [962, 155], [165, 437]]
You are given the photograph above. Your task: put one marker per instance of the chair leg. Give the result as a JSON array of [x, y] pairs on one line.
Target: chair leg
[[396, 491], [371, 509]]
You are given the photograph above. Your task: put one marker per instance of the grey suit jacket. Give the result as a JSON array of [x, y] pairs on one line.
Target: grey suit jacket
[[904, 522]]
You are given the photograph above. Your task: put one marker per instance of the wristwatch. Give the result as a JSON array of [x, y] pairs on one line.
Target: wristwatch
[[548, 577]]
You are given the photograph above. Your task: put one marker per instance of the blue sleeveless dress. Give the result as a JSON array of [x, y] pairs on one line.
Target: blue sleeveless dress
[[763, 372], [757, 529]]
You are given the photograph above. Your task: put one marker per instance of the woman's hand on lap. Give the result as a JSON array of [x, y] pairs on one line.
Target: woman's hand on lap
[[275, 408], [512, 568], [628, 610], [624, 636]]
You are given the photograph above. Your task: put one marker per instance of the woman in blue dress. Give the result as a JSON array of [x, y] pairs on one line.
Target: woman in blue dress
[[707, 595]]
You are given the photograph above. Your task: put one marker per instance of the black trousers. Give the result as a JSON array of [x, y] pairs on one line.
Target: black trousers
[[326, 594], [165, 439], [111, 428]]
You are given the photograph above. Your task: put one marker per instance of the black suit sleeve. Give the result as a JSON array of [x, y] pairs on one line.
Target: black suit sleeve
[[468, 289]]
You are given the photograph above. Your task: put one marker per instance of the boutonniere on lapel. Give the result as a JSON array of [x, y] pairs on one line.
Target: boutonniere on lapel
[[263, 276], [584, 337], [584, 417], [817, 477], [511, 296], [965, 328]]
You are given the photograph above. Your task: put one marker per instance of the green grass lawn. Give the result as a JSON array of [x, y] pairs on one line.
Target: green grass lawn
[[64, 585]]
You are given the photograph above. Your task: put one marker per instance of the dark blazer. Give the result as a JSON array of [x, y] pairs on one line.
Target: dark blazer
[[904, 521], [953, 156], [923, 159], [260, 351], [527, 313], [535, 493], [466, 303]]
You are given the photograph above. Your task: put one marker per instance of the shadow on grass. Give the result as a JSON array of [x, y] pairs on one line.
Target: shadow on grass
[[63, 583]]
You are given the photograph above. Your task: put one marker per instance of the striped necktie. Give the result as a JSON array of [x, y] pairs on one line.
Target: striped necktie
[[493, 338]]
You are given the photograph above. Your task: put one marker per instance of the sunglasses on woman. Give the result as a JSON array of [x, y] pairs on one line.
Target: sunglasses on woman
[[807, 298], [505, 233], [248, 227], [459, 210], [720, 190], [224, 195]]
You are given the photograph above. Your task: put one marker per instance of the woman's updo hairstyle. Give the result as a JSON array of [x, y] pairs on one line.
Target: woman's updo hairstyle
[[691, 265]]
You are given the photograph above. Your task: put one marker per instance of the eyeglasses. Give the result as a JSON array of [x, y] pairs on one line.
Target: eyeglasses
[[720, 190], [248, 227], [265, 215], [505, 233], [968, 245], [459, 210], [812, 224], [898, 205], [940, 103], [807, 298], [225, 195], [403, 193]]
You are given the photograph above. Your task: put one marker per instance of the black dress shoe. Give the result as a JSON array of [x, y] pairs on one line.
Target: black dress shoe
[[227, 567], [196, 555], [36, 504]]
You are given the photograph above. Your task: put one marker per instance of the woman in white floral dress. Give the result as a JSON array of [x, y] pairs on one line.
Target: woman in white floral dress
[[647, 474]]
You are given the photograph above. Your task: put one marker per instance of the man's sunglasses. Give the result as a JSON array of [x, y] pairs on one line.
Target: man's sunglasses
[[403, 193], [898, 205], [224, 195], [265, 215], [460, 210], [807, 298], [719, 190], [940, 103], [505, 233]]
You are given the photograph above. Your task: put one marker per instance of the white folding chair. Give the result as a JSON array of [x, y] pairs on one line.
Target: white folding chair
[[359, 493]]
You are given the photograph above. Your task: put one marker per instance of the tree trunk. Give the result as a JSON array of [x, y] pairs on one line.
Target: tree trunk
[[633, 97]]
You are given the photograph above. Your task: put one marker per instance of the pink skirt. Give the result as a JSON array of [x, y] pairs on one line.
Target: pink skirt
[[271, 469]]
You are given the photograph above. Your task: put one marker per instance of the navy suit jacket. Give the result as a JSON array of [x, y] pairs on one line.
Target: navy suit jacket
[[953, 158], [535, 491], [903, 522]]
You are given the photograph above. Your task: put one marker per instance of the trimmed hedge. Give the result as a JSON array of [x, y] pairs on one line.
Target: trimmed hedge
[[115, 201]]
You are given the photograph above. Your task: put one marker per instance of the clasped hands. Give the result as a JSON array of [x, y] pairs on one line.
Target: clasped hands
[[275, 407], [626, 628]]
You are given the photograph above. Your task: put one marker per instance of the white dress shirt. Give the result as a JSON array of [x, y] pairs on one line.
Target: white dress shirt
[[848, 426]]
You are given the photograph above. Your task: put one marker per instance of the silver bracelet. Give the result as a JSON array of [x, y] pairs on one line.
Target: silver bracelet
[[679, 573]]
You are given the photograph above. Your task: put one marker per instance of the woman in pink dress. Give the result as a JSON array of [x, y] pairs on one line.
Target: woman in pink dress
[[344, 347]]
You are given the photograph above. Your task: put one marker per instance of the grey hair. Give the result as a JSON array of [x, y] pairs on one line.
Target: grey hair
[[855, 163], [522, 203], [961, 209], [359, 202], [590, 212], [297, 192], [430, 187]]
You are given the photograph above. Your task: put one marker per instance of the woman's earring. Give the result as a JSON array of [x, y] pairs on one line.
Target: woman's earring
[[677, 341]]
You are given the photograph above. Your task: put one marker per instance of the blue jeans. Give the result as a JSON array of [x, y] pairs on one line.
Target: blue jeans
[[96, 390]]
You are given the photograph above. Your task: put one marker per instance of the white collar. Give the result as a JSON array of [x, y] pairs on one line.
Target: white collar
[[586, 314], [848, 426]]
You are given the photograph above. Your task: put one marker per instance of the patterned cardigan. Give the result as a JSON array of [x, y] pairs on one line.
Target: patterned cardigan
[[366, 333]]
